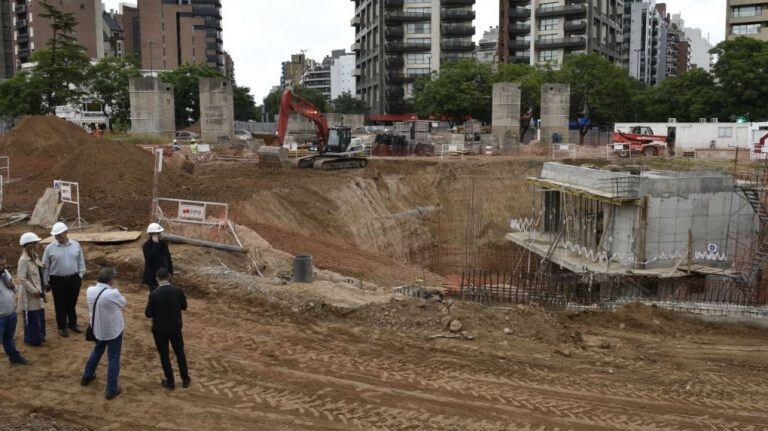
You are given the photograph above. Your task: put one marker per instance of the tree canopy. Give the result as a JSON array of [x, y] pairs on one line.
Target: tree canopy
[[272, 101], [245, 105], [742, 71], [347, 104], [186, 90], [108, 82], [460, 90]]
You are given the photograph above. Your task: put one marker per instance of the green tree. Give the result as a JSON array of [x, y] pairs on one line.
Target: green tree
[[691, 96], [347, 104], [61, 68], [186, 90], [600, 90], [21, 95], [461, 89], [245, 106], [741, 70], [272, 101], [108, 82]]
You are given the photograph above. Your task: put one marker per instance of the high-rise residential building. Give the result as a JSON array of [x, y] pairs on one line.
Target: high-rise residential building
[[488, 48], [129, 21], [318, 77], [746, 18], [398, 41], [114, 36], [699, 49], [655, 45], [6, 37], [31, 32], [293, 70], [547, 31], [175, 32], [342, 74]]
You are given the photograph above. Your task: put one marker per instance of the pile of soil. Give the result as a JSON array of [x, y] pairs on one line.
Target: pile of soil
[[44, 137]]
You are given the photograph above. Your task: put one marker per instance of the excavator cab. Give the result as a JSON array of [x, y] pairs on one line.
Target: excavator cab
[[339, 139]]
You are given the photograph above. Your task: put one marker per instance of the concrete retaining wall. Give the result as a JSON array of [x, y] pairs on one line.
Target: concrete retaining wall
[[152, 107], [217, 110]]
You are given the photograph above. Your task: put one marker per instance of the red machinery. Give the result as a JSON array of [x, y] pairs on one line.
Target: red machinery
[[641, 140], [333, 143]]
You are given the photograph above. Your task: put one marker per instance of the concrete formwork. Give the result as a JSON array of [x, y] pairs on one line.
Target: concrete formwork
[[506, 115], [152, 107], [555, 110], [217, 110]]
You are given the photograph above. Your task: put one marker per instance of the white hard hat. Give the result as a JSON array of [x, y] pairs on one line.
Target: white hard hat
[[59, 228], [28, 238], [155, 228]]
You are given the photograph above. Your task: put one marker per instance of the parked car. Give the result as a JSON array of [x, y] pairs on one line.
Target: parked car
[[183, 135], [243, 135]]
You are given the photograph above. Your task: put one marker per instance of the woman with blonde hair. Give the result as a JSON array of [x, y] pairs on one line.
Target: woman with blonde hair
[[31, 293]]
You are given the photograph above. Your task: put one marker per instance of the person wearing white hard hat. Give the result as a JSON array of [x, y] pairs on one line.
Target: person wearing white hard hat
[[156, 255], [64, 270], [29, 274]]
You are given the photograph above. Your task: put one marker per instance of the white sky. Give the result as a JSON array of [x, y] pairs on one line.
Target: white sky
[[261, 34]]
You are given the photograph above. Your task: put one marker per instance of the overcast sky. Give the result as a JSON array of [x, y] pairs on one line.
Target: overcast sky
[[261, 34]]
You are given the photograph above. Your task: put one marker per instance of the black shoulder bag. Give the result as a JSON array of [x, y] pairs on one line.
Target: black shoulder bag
[[89, 336]]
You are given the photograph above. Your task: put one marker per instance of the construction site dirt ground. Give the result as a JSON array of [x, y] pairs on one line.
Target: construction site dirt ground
[[347, 351]]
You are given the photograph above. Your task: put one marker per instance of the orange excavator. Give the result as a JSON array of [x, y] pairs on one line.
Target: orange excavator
[[333, 143]]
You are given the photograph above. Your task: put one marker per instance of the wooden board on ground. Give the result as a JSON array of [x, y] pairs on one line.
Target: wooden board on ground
[[47, 210], [100, 237]]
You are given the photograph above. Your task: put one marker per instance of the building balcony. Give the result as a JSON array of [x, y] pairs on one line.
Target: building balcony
[[20, 8], [22, 38], [562, 42], [519, 59], [355, 22], [578, 26], [568, 10], [357, 72], [406, 46], [355, 47], [24, 53], [394, 61], [401, 16], [394, 3], [394, 32], [519, 44], [519, 12], [457, 2], [457, 46], [457, 30], [457, 15], [394, 91], [21, 23], [519, 29], [446, 58], [400, 77]]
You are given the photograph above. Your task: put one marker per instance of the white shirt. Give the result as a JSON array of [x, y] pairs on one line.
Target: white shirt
[[63, 260], [109, 323]]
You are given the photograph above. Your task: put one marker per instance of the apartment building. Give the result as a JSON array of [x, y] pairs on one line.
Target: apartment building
[[488, 48], [342, 74], [128, 17], [31, 32], [114, 36], [547, 31], [294, 69], [6, 36], [747, 18], [175, 32], [398, 41], [318, 77], [699, 49]]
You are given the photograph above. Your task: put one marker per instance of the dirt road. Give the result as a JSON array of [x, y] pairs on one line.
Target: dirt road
[[255, 366]]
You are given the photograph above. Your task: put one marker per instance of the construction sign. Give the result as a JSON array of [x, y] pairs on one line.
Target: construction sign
[[188, 211]]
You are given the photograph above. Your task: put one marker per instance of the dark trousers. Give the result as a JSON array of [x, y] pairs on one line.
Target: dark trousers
[[66, 290], [34, 327], [8, 330], [113, 348], [177, 342]]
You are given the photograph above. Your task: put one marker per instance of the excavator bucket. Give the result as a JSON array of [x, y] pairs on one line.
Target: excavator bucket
[[272, 157]]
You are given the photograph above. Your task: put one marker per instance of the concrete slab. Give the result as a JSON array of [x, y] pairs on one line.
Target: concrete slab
[[47, 210], [100, 237]]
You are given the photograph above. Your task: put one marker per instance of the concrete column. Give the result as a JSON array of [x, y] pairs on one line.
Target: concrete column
[[152, 107], [506, 115], [555, 111], [217, 110]]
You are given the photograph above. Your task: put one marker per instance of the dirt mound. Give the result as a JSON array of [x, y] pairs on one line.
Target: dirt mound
[[44, 137], [643, 318], [116, 181]]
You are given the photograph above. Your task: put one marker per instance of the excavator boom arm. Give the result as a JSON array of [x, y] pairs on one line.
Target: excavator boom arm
[[291, 102]]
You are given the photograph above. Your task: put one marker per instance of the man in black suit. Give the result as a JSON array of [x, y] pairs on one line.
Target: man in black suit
[[164, 308]]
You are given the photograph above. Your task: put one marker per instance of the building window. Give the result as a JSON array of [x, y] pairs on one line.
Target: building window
[[419, 10], [418, 28], [552, 5], [419, 58], [745, 11], [547, 37], [416, 1], [416, 73], [546, 56], [746, 29], [548, 24], [725, 132]]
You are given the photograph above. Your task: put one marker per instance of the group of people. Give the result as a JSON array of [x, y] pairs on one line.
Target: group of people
[[60, 271]]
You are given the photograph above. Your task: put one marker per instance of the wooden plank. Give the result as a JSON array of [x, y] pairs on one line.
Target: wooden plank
[[100, 237]]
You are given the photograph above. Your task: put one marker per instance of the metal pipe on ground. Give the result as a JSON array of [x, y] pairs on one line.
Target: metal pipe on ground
[[177, 239]]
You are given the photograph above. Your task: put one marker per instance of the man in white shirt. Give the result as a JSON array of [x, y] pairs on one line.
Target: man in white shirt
[[108, 325], [64, 270]]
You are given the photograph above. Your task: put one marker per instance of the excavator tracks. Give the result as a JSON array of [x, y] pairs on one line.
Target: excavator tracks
[[333, 163]]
